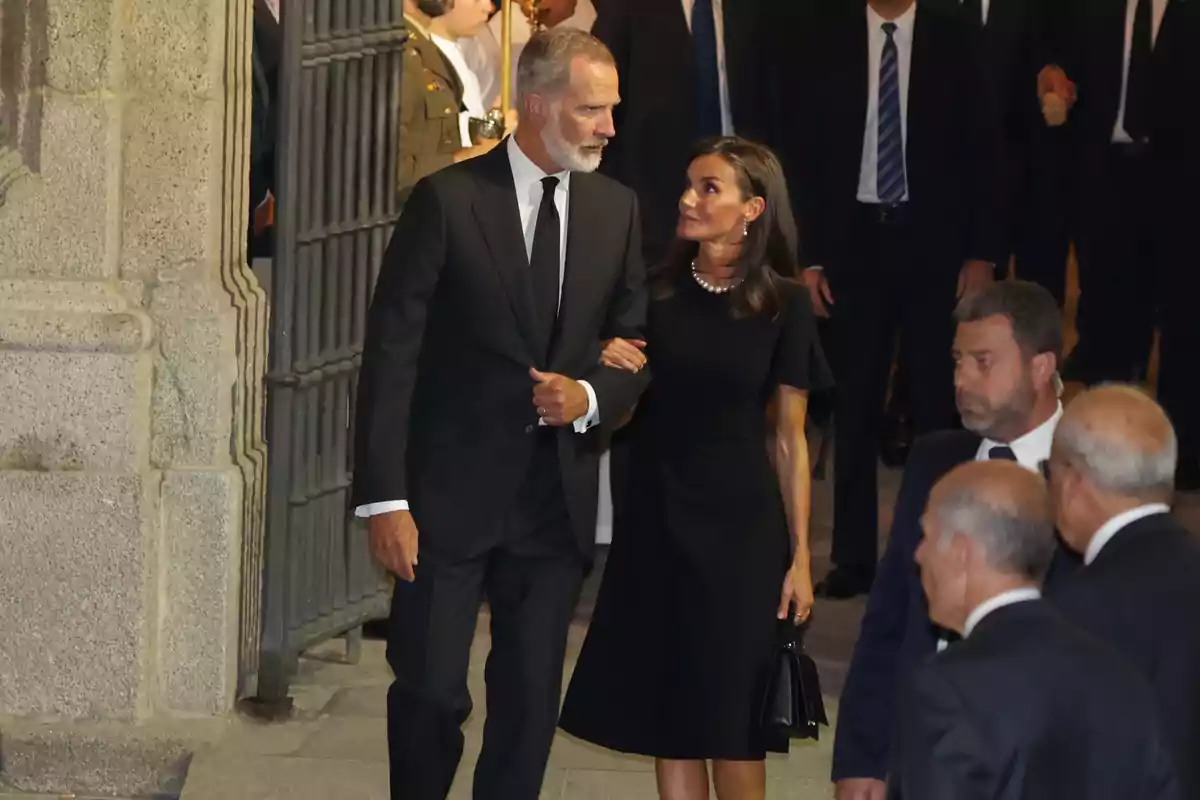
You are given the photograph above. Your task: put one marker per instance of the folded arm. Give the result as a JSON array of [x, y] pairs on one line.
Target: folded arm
[[617, 390]]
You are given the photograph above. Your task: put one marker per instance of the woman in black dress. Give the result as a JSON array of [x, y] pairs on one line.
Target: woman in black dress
[[701, 568]]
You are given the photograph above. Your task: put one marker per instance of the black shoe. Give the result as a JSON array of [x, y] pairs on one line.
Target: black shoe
[[843, 584]]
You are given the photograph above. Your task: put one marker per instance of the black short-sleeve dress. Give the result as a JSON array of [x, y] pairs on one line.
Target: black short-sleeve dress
[[681, 640]]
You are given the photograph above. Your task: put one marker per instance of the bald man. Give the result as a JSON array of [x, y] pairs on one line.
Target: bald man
[[1025, 706], [1112, 469]]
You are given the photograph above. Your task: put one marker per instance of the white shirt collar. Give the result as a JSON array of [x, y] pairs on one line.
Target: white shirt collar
[[999, 601], [1115, 525], [526, 173], [904, 23], [1031, 449]]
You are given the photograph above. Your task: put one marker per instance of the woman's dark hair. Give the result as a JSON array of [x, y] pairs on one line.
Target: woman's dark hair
[[769, 250], [434, 8]]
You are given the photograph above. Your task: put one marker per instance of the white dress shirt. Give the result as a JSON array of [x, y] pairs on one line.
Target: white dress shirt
[[868, 176], [995, 603], [527, 178], [1118, 523], [482, 54], [472, 96], [1158, 9], [1031, 449], [718, 7]]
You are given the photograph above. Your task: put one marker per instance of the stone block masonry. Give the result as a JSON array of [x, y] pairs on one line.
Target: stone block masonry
[[128, 371]]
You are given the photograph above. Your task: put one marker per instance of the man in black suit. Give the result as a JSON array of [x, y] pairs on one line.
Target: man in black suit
[[892, 160], [1007, 352], [478, 404], [1025, 706], [1015, 40], [1112, 475], [1135, 70], [690, 69]]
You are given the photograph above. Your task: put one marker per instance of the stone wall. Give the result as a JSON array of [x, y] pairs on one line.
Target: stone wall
[[131, 337]]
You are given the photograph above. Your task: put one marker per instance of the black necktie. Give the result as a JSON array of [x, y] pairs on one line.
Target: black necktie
[[1001, 452], [1141, 64], [708, 75], [544, 263], [974, 11]]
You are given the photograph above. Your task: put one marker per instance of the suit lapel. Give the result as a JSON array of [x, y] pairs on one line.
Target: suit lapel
[[858, 69], [584, 239], [921, 76], [495, 209]]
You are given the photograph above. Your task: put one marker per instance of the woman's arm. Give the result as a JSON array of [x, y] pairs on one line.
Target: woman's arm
[[795, 482]]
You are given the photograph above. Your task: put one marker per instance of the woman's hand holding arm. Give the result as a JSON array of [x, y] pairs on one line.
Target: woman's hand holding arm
[[626, 354]]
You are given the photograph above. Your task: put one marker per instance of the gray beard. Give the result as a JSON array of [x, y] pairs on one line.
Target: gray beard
[[565, 155]]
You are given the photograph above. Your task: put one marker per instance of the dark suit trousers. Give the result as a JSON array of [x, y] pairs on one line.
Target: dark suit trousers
[[530, 574], [1121, 262], [888, 285], [1039, 186]]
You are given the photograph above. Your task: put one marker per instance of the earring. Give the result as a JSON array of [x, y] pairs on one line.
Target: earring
[[745, 228]]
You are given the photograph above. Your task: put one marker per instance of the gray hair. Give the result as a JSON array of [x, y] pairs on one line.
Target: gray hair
[[1115, 464], [1014, 541], [545, 64]]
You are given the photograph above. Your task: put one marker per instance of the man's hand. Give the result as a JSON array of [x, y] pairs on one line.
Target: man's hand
[[860, 789], [558, 399], [1057, 94], [393, 538], [974, 277], [818, 291]]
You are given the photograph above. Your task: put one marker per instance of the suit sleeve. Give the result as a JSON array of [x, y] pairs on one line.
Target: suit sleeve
[[866, 712], [984, 154], [395, 330], [943, 754], [617, 390], [793, 88]]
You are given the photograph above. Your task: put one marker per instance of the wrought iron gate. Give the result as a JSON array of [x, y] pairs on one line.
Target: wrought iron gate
[[338, 117]]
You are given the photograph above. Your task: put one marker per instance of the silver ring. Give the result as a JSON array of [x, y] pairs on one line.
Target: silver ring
[[541, 412]]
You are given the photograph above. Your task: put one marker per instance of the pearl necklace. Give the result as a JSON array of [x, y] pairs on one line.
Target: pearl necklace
[[712, 287]]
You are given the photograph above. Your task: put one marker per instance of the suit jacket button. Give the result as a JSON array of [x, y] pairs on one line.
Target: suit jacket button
[[530, 428]]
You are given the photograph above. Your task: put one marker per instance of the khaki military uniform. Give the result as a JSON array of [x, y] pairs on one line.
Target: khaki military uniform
[[430, 103]]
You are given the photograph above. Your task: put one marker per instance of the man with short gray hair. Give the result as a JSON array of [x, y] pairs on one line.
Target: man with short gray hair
[[480, 405], [1025, 705], [1112, 474]]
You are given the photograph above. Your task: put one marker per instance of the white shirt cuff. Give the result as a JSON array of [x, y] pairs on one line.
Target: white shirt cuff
[[592, 417], [375, 509]]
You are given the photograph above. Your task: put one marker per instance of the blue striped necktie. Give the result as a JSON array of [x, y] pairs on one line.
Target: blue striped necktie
[[890, 177]]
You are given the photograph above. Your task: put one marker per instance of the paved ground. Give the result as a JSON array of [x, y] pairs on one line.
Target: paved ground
[[335, 748]]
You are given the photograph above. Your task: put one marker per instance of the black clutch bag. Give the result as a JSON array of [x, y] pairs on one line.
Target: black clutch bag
[[793, 707]]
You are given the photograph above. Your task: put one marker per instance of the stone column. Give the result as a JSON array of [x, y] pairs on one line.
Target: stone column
[[131, 338]]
